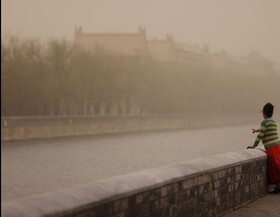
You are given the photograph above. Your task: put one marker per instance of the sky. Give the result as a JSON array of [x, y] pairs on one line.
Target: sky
[[234, 25]]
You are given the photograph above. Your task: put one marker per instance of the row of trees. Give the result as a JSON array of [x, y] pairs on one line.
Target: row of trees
[[55, 78]]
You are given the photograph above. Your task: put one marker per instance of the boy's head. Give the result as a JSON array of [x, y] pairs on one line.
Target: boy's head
[[268, 110]]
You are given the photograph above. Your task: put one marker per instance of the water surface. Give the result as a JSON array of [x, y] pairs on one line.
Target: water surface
[[36, 166]]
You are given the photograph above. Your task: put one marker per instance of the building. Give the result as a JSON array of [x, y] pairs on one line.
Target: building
[[137, 44], [161, 49], [116, 43]]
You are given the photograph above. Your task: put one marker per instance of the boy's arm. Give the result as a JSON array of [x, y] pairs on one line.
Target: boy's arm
[[260, 135]]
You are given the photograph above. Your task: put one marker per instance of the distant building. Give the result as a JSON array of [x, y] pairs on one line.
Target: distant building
[[115, 43], [227, 62], [259, 62], [136, 44], [161, 49], [253, 63], [170, 50], [191, 54]]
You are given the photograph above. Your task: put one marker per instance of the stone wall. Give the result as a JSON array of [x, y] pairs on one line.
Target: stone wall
[[202, 187], [50, 127]]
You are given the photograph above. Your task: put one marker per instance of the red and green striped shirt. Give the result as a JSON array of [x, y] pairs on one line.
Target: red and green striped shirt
[[267, 133]]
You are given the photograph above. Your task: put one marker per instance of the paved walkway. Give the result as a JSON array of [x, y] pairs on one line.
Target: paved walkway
[[267, 206]]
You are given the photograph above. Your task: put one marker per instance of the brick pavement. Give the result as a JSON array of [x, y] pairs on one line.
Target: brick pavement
[[267, 206]]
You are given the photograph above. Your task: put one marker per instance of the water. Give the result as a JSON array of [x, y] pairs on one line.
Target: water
[[31, 167]]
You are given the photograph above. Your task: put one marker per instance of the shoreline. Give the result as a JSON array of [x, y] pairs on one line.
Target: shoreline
[[25, 128]]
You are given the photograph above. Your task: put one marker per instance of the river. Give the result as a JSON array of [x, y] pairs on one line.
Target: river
[[36, 166]]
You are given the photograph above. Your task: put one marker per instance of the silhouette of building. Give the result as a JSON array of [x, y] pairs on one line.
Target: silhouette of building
[[115, 43], [137, 44]]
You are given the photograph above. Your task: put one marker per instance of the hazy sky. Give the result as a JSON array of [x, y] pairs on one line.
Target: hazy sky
[[235, 25]]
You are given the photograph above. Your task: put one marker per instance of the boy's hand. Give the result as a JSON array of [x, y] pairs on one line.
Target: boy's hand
[[254, 131], [250, 147]]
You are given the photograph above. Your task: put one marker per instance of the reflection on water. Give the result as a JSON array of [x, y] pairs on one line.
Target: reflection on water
[[32, 167]]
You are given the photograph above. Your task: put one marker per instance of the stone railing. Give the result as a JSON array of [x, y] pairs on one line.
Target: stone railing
[[202, 187]]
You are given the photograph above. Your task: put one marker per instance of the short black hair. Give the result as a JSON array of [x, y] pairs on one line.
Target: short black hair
[[268, 110]]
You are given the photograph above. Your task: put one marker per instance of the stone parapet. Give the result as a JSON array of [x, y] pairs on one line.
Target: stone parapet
[[204, 187]]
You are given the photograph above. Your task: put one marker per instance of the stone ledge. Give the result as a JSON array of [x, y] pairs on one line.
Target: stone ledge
[[80, 198]]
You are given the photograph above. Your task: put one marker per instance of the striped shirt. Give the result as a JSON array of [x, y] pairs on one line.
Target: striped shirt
[[267, 133]]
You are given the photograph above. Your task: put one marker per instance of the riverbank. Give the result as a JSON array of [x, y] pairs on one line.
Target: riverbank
[[22, 128]]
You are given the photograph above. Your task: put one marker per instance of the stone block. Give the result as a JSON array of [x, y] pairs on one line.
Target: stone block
[[229, 180], [164, 202], [241, 168], [237, 177], [189, 183], [230, 188], [139, 199], [201, 189], [164, 191], [217, 184]]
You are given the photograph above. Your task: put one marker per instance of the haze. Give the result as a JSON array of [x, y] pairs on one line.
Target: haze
[[236, 26]]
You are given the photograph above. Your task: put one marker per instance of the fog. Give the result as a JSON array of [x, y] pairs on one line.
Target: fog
[[236, 26], [202, 56], [215, 62]]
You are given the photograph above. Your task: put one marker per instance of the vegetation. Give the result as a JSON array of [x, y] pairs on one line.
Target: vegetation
[[56, 78]]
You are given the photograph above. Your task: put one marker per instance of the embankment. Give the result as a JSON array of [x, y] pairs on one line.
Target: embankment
[[20, 128], [202, 187]]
